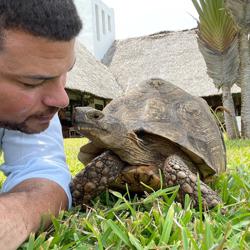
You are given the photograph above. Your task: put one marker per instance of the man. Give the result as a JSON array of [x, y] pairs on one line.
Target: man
[[36, 52]]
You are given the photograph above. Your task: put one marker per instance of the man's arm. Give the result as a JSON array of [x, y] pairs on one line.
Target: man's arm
[[23, 208], [37, 182]]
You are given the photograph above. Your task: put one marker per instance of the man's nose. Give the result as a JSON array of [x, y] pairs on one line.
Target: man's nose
[[55, 95]]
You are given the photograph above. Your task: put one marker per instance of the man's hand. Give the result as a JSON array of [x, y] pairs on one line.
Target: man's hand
[[24, 208]]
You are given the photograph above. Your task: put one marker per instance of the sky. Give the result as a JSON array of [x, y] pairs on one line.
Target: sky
[[142, 17]]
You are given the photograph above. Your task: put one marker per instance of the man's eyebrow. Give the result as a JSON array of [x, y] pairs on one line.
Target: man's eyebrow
[[41, 77]]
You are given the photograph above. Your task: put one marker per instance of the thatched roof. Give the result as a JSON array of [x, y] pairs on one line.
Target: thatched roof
[[91, 76], [173, 56]]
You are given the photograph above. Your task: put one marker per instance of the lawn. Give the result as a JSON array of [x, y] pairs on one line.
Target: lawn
[[156, 221]]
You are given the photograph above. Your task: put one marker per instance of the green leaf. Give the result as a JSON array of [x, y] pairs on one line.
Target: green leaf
[[217, 28]]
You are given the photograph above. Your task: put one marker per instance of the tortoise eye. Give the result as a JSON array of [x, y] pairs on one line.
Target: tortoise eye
[[94, 115]]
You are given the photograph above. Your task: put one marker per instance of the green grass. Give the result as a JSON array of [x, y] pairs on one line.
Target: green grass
[[156, 221], [71, 148]]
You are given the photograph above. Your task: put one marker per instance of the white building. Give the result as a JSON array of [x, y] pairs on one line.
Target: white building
[[98, 31]]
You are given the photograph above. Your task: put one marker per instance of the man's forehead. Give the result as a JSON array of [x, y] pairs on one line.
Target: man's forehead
[[45, 76], [14, 38], [24, 52]]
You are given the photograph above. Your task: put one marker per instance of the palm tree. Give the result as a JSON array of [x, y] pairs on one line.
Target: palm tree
[[218, 43], [240, 10]]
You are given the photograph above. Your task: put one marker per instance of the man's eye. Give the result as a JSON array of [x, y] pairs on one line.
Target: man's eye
[[32, 85]]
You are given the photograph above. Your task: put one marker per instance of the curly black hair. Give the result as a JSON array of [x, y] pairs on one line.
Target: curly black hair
[[53, 19]]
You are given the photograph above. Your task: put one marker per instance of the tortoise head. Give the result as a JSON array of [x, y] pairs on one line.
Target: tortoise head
[[99, 127]]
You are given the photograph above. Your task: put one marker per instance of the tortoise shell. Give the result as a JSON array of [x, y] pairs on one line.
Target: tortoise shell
[[160, 112]]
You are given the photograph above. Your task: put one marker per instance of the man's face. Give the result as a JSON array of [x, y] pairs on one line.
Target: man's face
[[32, 79]]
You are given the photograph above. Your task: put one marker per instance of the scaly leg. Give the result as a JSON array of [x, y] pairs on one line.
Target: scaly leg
[[176, 172], [95, 177]]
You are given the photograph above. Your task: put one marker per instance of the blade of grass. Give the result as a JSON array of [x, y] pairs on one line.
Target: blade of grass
[[120, 232], [200, 202], [167, 226], [184, 239], [96, 234], [135, 242]]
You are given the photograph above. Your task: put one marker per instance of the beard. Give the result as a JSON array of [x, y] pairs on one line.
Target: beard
[[24, 126]]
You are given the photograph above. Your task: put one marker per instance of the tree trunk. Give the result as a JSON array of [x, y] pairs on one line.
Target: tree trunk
[[229, 113], [245, 84]]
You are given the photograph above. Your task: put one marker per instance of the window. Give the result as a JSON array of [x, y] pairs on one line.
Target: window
[[103, 23], [97, 22], [109, 23]]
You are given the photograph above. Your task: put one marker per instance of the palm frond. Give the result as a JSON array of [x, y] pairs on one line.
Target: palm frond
[[216, 27]]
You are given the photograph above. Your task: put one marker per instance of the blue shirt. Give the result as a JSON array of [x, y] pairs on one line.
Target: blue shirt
[[35, 156]]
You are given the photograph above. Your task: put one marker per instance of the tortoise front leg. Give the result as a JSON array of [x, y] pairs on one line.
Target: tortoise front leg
[[176, 172], [95, 177]]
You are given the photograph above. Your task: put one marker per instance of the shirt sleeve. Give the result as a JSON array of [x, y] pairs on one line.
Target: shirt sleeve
[[35, 156]]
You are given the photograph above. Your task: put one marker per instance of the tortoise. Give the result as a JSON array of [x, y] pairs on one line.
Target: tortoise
[[155, 126]]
